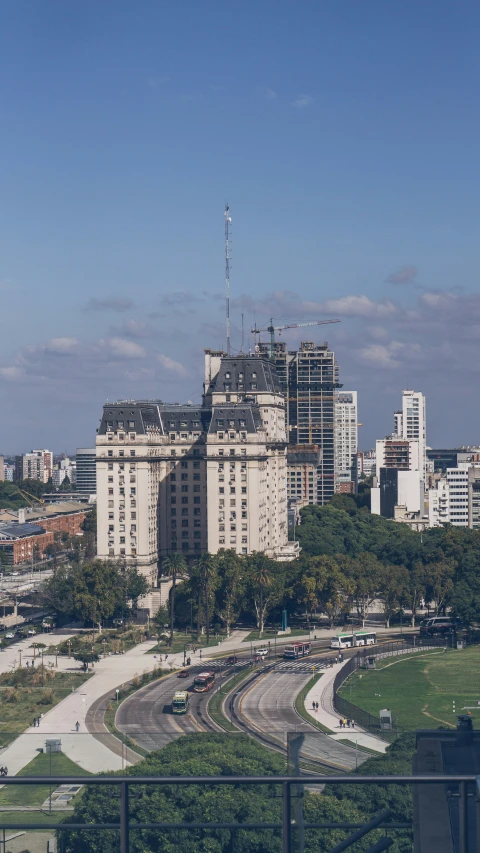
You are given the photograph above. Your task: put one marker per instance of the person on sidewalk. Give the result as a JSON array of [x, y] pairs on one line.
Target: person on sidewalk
[[77, 726], [313, 705], [353, 724], [341, 723]]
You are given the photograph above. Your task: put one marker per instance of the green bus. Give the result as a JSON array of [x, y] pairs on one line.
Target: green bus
[[180, 702]]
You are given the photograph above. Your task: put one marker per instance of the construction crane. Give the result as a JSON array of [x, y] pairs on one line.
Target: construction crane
[[271, 329], [31, 499]]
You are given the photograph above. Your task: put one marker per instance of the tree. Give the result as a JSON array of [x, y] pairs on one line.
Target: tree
[[365, 573], [174, 566], [230, 588], [265, 586], [86, 658], [394, 582], [204, 755], [416, 589], [206, 576], [439, 582]]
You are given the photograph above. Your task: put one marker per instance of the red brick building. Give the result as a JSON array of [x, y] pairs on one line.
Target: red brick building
[[20, 543]]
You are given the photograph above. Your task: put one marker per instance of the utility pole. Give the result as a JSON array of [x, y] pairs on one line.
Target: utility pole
[[228, 220]]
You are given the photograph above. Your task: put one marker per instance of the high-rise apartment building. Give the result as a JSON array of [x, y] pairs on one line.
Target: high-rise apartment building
[[309, 378], [346, 437], [410, 423], [455, 499], [85, 470], [36, 465], [196, 478], [2, 468], [401, 461]]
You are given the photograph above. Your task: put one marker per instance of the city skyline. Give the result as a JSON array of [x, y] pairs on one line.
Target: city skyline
[[351, 179]]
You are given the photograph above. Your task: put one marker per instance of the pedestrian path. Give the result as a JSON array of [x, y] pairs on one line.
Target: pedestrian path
[[322, 692]]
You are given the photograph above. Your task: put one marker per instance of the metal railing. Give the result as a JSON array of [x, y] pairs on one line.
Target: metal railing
[[287, 826]]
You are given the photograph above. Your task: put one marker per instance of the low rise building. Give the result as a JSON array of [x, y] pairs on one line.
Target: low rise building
[[21, 543]]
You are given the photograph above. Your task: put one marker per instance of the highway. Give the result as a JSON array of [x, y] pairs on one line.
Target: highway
[[146, 715], [264, 708]]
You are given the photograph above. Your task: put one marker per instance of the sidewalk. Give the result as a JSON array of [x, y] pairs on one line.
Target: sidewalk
[[110, 672], [322, 692]]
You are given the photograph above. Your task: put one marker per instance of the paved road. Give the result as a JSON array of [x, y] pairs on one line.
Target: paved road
[[265, 708], [146, 715]]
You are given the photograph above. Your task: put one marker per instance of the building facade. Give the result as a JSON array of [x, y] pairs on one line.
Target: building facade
[[85, 470], [190, 479], [455, 499], [309, 378], [346, 439]]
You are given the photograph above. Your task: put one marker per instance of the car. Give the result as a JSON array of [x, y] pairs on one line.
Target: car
[[231, 660], [184, 673], [262, 652], [31, 631], [10, 636]]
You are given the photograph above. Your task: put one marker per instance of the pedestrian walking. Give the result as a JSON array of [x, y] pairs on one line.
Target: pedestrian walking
[[317, 706], [341, 723], [28, 664], [313, 705], [200, 654], [33, 663], [6, 770], [348, 724], [353, 724], [77, 726]]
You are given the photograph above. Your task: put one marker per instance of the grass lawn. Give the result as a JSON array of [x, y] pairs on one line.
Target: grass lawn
[[35, 795], [420, 688], [27, 818], [23, 697]]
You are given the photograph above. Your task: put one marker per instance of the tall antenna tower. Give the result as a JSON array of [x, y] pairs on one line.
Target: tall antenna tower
[[228, 220]]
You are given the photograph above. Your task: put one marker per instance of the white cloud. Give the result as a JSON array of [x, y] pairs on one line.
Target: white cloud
[[61, 345], [11, 373], [268, 93], [302, 101], [358, 306], [121, 348], [114, 303], [172, 365]]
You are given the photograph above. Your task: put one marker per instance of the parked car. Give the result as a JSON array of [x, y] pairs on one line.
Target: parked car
[[31, 631], [262, 652], [231, 660], [184, 673], [438, 625], [10, 636]]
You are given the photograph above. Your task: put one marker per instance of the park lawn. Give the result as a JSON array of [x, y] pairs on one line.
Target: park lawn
[[420, 688], [180, 641], [35, 795], [21, 699]]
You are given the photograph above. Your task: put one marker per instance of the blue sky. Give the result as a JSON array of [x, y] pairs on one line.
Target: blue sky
[[343, 135]]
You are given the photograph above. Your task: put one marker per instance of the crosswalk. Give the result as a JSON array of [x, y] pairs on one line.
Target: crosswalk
[[300, 666]]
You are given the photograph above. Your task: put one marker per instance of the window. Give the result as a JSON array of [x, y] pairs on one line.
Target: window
[[173, 453], [111, 527], [110, 491], [220, 489], [232, 436], [133, 516], [243, 451], [110, 503], [173, 511], [122, 540], [196, 476], [232, 490], [221, 435], [184, 511], [221, 452], [196, 500], [196, 488], [183, 436], [110, 479], [243, 436], [184, 488], [184, 500], [110, 452], [196, 464], [110, 466], [253, 386], [244, 550], [184, 476], [232, 502], [184, 546], [121, 453], [184, 522], [232, 451], [184, 464], [244, 490], [196, 512], [173, 500], [110, 515], [132, 453], [220, 423], [254, 375]]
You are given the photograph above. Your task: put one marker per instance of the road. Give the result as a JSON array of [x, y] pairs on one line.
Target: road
[[265, 709], [146, 715]]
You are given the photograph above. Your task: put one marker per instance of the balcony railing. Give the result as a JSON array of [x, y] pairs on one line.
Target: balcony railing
[[291, 824]]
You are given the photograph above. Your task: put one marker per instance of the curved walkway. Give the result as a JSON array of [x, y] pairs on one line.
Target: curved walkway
[[322, 692]]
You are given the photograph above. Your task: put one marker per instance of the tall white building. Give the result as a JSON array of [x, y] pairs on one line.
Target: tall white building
[[411, 423], [346, 436], [189, 479], [401, 461]]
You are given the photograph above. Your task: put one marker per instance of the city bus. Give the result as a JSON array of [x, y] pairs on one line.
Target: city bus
[[365, 638], [203, 682], [180, 702], [359, 638], [297, 650]]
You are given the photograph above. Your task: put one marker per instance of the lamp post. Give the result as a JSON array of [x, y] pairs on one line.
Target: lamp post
[[56, 656]]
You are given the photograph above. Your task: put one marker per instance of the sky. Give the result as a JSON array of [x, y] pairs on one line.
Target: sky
[[344, 137]]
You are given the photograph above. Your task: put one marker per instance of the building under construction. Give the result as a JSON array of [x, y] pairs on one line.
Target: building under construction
[[309, 378]]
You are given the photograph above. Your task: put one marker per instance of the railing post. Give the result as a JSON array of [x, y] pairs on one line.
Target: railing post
[[124, 818], [286, 819], [463, 817]]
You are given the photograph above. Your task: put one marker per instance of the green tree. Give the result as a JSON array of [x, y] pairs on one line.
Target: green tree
[[394, 583], [439, 578], [175, 567], [230, 587], [206, 579], [265, 586], [86, 657], [205, 755]]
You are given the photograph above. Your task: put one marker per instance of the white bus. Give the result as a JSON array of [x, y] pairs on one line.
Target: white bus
[[359, 638], [343, 641], [365, 638]]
